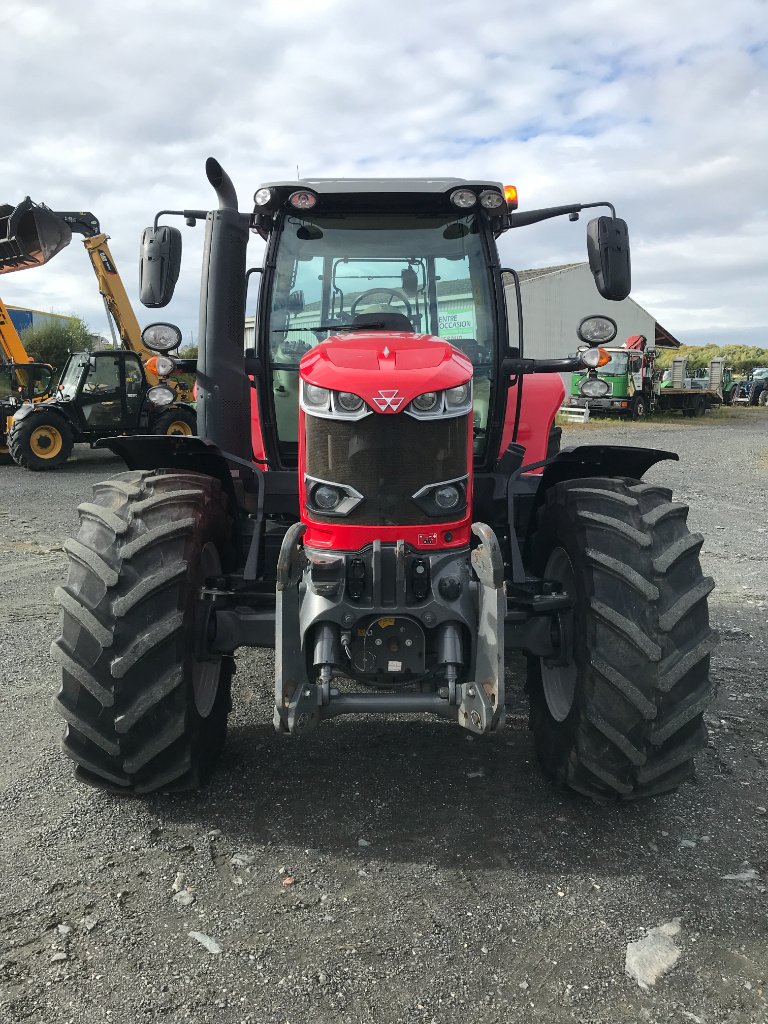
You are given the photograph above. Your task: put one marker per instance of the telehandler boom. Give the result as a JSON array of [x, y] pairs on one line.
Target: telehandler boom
[[101, 394]]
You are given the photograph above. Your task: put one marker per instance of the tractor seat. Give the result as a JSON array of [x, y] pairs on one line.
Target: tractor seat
[[384, 321]]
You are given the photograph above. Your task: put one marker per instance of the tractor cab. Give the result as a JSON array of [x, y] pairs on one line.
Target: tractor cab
[[345, 262], [25, 382], [103, 391]]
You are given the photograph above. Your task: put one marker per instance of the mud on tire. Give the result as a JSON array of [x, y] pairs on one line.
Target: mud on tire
[[131, 691], [641, 640]]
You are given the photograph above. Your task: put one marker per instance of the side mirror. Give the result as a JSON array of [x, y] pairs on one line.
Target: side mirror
[[296, 302], [608, 250], [410, 282], [160, 265]]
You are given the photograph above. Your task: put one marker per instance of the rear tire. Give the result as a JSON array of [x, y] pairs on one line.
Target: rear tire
[[638, 671], [639, 408], [42, 440], [179, 421], [142, 713]]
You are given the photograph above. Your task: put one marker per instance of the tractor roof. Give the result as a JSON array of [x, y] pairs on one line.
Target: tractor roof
[[379, 186]]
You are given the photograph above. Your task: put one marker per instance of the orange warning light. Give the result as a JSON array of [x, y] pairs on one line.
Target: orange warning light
[[510, 194]]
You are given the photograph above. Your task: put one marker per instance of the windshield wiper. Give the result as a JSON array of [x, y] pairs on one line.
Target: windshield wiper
[[331, 327]]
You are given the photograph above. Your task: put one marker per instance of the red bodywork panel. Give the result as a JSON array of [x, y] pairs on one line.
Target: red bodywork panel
[[257, 439], [387, 370], [403, 365], [543, 394]]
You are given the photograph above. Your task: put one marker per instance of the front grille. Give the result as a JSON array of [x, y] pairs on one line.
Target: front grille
[[387, 459]]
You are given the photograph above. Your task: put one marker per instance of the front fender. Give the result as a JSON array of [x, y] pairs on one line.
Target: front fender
[[611, 460], [30, 408], [22, 412], [172, 451]]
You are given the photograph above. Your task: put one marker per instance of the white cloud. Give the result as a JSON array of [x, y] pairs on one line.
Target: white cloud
[[657, 107]]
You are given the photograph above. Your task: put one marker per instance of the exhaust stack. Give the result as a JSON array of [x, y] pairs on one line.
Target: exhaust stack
[[222, 183], [30, 235]]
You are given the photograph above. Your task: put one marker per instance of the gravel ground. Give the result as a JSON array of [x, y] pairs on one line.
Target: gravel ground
[[387, 871]]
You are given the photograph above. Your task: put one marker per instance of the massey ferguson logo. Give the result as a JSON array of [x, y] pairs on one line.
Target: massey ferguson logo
[[389, 400]]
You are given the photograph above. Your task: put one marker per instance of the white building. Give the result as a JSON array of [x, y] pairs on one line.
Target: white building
[[556, 300]]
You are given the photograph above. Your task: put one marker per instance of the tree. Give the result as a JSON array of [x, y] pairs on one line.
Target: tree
[[188, 352], [53, 341], [743, 358]]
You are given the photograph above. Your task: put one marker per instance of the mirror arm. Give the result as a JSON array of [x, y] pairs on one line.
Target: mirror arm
[[525, 217], [190, 216]]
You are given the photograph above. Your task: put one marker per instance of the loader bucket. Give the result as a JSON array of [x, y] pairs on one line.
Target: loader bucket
[[30, 235]]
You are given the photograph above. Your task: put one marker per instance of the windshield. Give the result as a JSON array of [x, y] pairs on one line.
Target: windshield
[[8, 384], [404, 272], [71, 376], [618, 364]]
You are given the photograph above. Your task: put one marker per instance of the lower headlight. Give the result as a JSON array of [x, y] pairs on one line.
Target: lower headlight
[[594, 387], [161, 395], [447, 497], [326, 497]]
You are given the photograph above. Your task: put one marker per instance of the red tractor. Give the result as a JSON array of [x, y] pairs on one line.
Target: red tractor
[[375, 493]]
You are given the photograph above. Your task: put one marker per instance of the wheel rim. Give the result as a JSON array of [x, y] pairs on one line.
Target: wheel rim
[[179, 427], [206, 674], [559, 681], [46, 442]]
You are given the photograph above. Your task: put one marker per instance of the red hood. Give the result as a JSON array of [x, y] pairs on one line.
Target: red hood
[[400, 363]]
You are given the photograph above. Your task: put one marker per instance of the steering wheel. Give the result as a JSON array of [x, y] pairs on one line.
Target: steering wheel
[[392, 295]]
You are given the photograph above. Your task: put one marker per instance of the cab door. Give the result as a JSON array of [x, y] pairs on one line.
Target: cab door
[[111, 392]]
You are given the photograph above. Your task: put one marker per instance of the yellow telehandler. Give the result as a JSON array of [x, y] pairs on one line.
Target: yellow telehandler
[[125, 390]]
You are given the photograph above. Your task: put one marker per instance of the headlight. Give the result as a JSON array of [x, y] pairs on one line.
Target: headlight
[[316, 397], [439, 499], [597, 330], [491, 200], [262, 196], [594, 387], [448, 497], [463, 198], [330, 499], [455, 398], [161, 337], [326, 497], [426, 402], [161, 395], [349, 402]]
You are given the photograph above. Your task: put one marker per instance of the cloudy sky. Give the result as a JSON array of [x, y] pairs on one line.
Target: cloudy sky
[[661, 107]]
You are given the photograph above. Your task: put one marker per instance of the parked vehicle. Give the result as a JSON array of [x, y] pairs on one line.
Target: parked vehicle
[[753, 390], [631, 386], [100, 394], [390, 536], [21, 378]]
